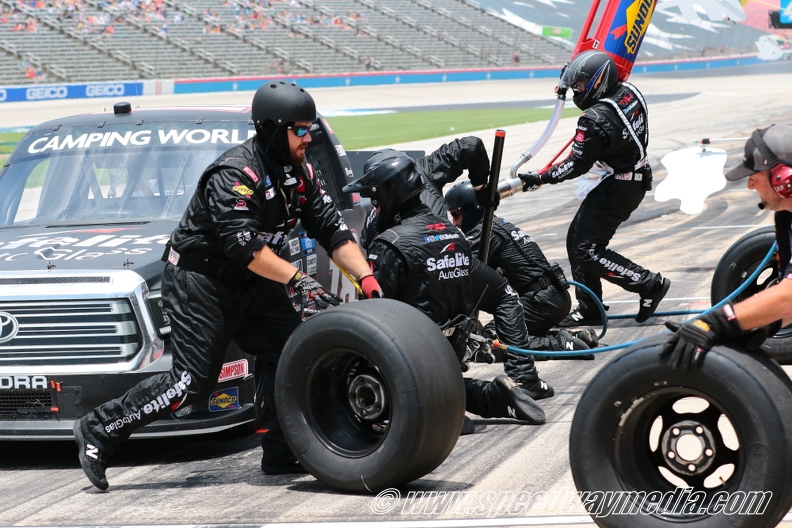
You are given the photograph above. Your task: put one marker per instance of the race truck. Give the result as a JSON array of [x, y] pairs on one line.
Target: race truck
[[87, 204]]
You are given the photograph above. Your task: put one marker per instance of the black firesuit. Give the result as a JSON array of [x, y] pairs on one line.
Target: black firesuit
[[514, 254], [443, 166], [613, 132], [244, 201], [426, 262]]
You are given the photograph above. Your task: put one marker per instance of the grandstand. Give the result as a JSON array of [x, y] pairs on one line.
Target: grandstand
[[107, 40], [113, 40]]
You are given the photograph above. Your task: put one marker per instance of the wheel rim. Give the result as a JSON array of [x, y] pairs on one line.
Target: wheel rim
[[348, 403], [678, 437], [763, 281]]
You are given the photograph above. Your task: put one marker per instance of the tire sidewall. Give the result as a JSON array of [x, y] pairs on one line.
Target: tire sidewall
[[425, 387], [752, 395]]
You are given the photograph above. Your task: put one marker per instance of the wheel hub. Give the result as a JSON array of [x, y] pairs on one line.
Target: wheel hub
[[688, 447], [367, 397]]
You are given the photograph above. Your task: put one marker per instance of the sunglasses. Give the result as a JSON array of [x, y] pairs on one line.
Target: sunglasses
[[299, 131]]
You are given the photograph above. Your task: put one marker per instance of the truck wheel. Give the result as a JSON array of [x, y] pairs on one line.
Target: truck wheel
[[723, 430], [740, 261], [370, 395]]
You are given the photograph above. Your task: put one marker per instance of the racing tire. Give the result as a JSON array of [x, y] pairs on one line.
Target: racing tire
[[648, 431], [370, 395], [739, 262]]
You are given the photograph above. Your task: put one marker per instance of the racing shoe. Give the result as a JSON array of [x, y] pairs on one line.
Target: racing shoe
[[468, 427], [589, 336], [649, 303], [519, 403], [281, 467], [539, 390], [567, 341], [92, 459], [576, 318]]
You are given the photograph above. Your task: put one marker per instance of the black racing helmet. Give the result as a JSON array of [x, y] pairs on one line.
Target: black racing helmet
[[596, 70], [462, 196], [282, 102], [390, 180]]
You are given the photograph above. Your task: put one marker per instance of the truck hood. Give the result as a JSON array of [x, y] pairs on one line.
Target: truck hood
[[133, 246]]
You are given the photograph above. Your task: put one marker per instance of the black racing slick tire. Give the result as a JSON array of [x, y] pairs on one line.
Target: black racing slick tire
[[370, 395], [736, 265], [708, 448]]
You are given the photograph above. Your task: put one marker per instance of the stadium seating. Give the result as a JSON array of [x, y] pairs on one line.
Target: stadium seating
[[104, 40]]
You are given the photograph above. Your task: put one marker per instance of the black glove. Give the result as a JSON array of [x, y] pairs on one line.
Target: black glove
[[482, 197], [531, 180], [692, 340], [313, 291]]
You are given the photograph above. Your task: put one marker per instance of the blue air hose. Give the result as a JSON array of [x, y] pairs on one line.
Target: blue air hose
[[561, 353]]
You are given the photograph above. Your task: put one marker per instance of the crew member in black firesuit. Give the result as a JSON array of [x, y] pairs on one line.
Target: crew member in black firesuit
[[423, 260], [767, 163], [439, 168], [224, 280], [542, 286], [444, 166], [613, 132]]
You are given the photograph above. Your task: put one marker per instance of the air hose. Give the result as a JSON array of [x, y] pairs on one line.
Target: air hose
[[561, 353]]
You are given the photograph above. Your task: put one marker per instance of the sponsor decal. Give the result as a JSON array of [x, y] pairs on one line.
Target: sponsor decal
[[39, 93], [326, 198], [520, 235], [298, 264], [436, 227], [163, 401], [615, 270], [438, 238], [166, 399], [580, 136], [249, 172], [453, 274], [267, 181], [104, 90], [224, 400], [139, 138], [233, 370], [23, 382], [243, 237], [9, 327], [3, 94], [638, 124], [244, 190], [638, 16], [269, 194], [340, 150], [241, 205], [312, 261], [273, 240], [447, 261], [308, 244], [626, 99], [449, 247], [173, 257], [294, 246]]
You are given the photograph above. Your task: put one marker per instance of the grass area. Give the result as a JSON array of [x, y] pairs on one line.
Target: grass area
[[8, 141], [360, 132]]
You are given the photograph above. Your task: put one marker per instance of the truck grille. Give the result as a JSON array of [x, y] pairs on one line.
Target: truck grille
[[25, 404], [74, 332]]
